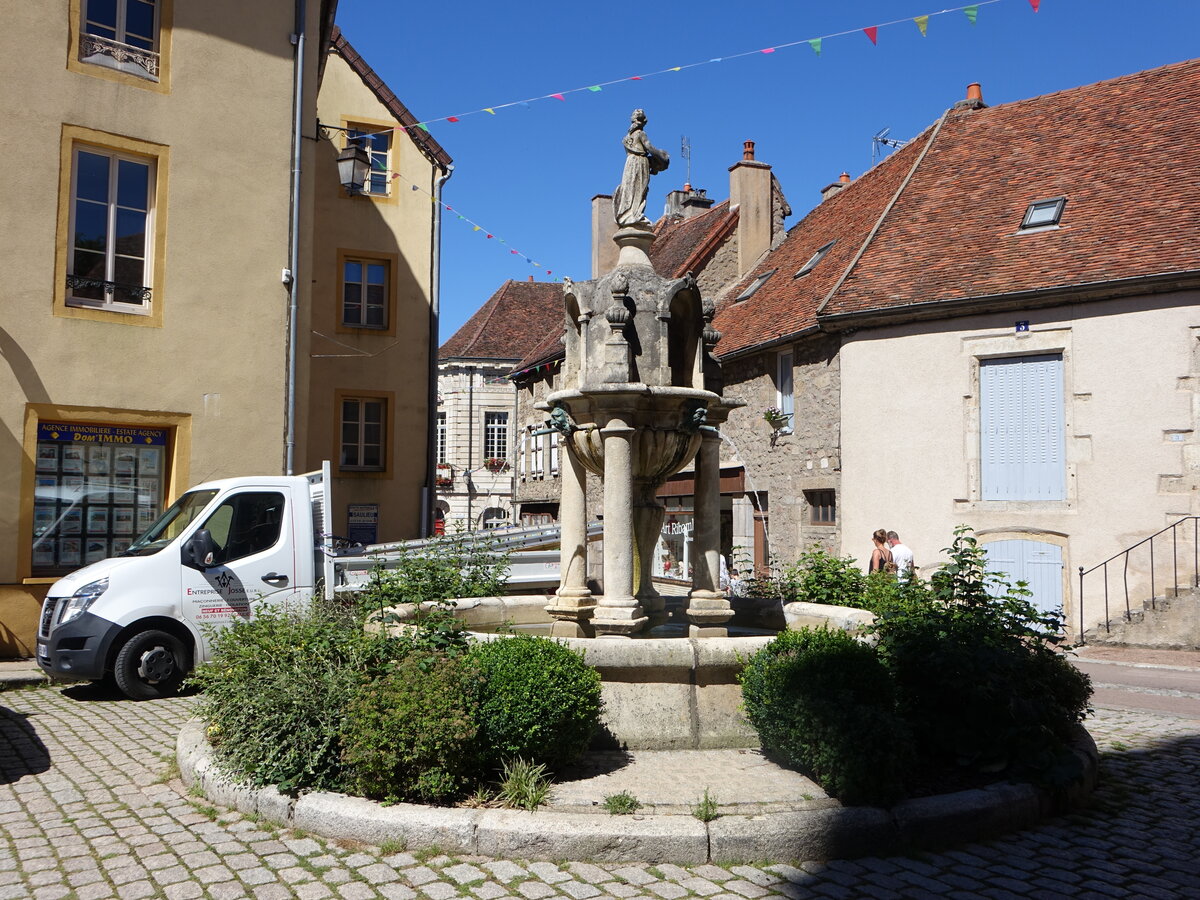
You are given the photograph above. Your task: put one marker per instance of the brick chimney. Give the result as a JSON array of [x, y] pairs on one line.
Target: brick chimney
[[750, 192], [830, 189], [604, 226]]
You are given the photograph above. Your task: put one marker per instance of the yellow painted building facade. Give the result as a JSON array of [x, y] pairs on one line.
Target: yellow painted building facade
[[144, 316]]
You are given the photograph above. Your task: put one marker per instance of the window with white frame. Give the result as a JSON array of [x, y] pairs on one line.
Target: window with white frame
[[784, 399], [536, 457], [378, 144], [362, 445], [121, 34], [441, 438], [552, 441], [495, 435], [112, 213], [365, 291], [1022, 429]]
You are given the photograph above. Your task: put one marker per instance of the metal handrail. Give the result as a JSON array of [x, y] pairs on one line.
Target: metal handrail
[[1124, 556]]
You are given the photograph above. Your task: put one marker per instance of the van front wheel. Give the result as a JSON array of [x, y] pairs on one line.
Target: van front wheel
[[150, 665]]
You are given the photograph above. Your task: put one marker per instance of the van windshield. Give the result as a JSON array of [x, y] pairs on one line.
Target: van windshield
[[171, 523]]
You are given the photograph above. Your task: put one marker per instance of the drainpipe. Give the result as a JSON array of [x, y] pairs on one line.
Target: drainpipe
[[435, 303], [469, 483], [294, 238]]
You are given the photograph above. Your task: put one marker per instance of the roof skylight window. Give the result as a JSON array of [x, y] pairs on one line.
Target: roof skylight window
[[816, 258], [1044, 213], [754, 286]]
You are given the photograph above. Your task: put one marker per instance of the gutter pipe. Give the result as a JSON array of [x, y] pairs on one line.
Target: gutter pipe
[[294, 238], [435, 309]]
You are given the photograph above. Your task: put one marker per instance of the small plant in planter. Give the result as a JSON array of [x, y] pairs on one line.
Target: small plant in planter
[[776, 417], [445, 476], [495, 464]]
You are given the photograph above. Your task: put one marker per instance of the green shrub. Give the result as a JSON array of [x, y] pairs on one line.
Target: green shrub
[[541, 702], [819, 577], [277, 690], [523, 785], [977, 677], [823, 702], [411, 733]]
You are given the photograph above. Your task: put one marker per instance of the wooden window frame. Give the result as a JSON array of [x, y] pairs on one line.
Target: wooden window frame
[[373, 126], [74, 138], [388, 432], [162, 85], [390, 261]]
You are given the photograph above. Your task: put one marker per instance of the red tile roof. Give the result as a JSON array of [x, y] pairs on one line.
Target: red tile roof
[[784, 304], [686, 245], [520, 315], [423, 139], [935, 228]]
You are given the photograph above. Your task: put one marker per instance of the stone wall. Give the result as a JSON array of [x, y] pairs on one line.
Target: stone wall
[[783, 466]]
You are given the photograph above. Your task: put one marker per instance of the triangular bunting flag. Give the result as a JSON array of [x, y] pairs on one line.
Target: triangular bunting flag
[[423, 126], [676, 68], [1035, 4], [922, 23], [635, 77], [489, 110], [595, 88], [972, 13], [872, 33], [815, 43], [559, 97], [476, 228], [767, 50], [451, 118]]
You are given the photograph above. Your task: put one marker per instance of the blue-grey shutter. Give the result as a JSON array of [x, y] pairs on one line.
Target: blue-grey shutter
[[1022, 428], [1037, 563]]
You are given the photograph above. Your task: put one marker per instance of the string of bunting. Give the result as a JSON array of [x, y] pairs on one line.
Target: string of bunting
[[475, 226], [971, 11]]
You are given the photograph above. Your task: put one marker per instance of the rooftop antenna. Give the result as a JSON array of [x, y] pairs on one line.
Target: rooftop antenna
[[685, 150], [881, 140]]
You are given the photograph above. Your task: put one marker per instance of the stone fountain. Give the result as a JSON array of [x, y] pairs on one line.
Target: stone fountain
[[640, 399]]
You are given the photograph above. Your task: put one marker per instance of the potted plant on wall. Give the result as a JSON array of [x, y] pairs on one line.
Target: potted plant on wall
[[777, 418], [495, 464]]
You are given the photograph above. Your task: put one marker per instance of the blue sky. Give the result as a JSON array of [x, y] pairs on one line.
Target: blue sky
[[527, 174]]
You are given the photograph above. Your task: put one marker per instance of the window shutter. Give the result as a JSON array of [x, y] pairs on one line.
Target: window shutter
[[1022, 428]]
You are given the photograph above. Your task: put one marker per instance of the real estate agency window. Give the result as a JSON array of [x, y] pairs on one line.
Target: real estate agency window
[[363, 422], [112, 212], [121, 35], [495, 435], [378, 144], [1022, 429], [96, 488], [365, 291], [822, 507]]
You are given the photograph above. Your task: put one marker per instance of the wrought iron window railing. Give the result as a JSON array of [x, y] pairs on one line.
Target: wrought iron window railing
[[120, 293], [94, 45]]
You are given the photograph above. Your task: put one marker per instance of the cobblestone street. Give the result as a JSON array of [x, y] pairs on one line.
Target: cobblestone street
[[90, 807]]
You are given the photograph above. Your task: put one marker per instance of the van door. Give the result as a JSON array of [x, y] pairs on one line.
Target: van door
[[254, 564]]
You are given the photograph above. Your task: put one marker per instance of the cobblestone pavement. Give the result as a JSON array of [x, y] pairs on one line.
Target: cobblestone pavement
[[90, 808]]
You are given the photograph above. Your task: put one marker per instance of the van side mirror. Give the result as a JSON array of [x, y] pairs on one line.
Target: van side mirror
[[199, 550]]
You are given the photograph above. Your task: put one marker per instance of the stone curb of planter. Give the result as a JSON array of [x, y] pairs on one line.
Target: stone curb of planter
[[817, 834]]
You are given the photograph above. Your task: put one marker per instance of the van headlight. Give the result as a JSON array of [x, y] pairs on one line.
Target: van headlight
[[78, 603]]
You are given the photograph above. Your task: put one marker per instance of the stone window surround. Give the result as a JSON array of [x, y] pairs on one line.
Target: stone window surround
[[995, 346]]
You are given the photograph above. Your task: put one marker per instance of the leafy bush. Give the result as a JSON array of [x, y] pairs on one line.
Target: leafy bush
[[278, 688], [824, 703], [977, 677], [541, 702], [818, 577], [411, 733]]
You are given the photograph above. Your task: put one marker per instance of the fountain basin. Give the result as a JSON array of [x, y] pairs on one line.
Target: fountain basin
[[659, 693]]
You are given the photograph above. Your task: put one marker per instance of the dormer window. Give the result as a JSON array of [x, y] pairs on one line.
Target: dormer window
[[754, 286], [1043, 213], [816, 258]]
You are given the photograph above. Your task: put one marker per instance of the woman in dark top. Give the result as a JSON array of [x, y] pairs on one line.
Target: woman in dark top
[[881, 556]]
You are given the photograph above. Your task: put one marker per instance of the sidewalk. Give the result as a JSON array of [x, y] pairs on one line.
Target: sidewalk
[[1138, 656], [15, 673]]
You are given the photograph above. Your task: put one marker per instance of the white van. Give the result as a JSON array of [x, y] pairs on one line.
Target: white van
[[221, 552]]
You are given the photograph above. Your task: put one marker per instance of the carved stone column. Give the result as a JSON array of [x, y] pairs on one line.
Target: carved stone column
[[574, 603], [708, 608], [618, 612]]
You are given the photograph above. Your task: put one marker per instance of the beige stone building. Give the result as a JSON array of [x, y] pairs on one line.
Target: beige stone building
[[478, 452], [146, 336], [996, 327]]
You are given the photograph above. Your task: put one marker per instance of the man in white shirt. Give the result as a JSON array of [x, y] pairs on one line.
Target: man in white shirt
[[901, 555]]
